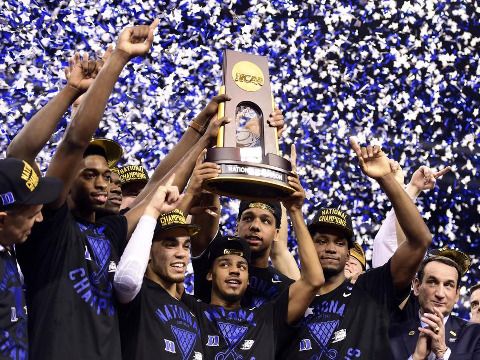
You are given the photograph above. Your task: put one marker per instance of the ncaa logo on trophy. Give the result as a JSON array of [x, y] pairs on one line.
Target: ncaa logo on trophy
[[247, 148]]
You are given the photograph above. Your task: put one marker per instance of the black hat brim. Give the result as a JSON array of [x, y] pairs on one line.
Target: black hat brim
[[47, 191], [192, 229]]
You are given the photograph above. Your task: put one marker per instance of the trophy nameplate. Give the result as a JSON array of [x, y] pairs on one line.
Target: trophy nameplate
[[247, 147]]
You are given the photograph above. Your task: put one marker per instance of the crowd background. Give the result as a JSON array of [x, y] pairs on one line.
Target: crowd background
[[401, 74]]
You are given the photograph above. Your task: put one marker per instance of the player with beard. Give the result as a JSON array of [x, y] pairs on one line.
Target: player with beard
[[348, 320], [230, 330], [145, 283]]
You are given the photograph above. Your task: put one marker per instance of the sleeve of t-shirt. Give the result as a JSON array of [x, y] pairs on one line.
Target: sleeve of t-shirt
[[280, 308], [116, 231], [379, 284], [281, 328], [192, 303], [201, 286], [385, 242], [45, 249]]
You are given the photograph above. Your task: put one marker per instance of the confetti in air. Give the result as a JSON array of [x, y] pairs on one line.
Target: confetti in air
[[401, 74]]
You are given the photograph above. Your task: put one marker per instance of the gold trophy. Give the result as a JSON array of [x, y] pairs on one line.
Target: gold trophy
[[247, 148]]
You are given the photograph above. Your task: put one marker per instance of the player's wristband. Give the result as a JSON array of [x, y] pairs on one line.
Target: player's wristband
[[197, 127]]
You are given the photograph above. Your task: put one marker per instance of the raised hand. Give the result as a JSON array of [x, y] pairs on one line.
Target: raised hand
[[212, 106], [435, 332], [425, 178], [276, 119], [165, 199], [201, 172], [137, 40], [372, 160], [81, 72], [397, 171], [295, 201], [213, 127]]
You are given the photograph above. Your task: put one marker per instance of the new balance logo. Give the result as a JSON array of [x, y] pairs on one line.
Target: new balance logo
[[169, 346], [247, 345], [339, 335]]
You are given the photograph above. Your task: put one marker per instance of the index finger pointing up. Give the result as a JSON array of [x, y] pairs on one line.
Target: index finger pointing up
[[293, 158], [154, 24], [170, 180]]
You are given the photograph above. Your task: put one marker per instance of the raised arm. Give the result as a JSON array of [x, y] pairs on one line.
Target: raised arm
[[302, 291], [375, 164], [390, 235], [133, 263], [132, 42], [282, 258], [204, 206], [32, 138], [182, 170]]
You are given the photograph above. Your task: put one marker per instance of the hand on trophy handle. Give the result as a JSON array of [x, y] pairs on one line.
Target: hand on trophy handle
[[276, 119], [213, 127], [210, 110], [201, 172]]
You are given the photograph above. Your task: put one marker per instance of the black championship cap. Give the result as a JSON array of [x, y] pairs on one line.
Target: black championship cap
[[335, 218], [274, 207], [175, 219], [132, 173], [20, 185], [113, 150], [228, 245], [462, 259]]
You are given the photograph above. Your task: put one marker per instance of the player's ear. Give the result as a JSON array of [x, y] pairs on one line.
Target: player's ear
[[3, 218], [209, 276], [236, 228]]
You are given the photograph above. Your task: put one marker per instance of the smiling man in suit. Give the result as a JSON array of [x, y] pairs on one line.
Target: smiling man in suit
[[435, 333]]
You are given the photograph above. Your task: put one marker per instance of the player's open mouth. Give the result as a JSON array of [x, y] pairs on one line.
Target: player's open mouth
[[233, 283], [253, 239], [178, 266]]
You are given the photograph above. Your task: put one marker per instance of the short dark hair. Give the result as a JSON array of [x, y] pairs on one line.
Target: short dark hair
[[440, 259], [474, 288], [95, 150]]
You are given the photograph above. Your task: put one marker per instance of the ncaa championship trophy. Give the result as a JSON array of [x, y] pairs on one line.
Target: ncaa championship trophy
[[247, 148]]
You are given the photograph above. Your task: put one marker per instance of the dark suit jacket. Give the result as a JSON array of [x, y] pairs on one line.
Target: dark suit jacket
[[461, 337]]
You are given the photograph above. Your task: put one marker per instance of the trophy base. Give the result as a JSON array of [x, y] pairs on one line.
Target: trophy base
[[249, 181]]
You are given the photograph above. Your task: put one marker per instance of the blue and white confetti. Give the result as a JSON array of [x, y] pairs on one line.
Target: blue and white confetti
[[403, 74]]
